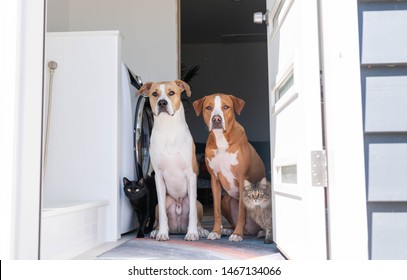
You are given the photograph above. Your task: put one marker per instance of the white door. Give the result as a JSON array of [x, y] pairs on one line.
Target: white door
[[296, 129]]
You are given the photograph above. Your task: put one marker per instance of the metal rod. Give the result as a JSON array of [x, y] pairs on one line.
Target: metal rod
[[52, 65]]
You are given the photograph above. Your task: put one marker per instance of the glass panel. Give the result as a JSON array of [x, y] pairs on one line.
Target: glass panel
[[285, 86]]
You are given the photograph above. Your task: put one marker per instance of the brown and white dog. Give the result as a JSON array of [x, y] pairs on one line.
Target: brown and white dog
[[173, 158], [230, 160]]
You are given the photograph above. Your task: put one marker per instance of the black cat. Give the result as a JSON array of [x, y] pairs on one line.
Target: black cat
[[142, 195]]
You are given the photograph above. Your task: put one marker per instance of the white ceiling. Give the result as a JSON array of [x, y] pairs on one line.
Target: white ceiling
[[221, 21]]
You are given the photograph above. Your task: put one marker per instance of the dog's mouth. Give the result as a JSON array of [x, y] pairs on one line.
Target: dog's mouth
[[162, 110], [162, 107], [216, 126], [165, 112]]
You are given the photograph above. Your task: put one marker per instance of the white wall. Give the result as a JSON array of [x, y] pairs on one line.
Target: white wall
[[150, 35], [83, 161], [238, 69], [57, 15]]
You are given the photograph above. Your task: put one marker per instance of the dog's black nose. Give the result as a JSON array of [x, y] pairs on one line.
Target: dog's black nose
[[162, 103]]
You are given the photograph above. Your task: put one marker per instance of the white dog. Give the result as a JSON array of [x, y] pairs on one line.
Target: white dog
[[172, 152]]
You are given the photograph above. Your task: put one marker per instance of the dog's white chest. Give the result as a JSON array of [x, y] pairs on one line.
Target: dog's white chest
[[171, 155], [222, 163]]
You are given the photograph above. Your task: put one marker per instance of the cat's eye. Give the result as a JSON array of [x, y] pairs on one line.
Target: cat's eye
[[129, 190]]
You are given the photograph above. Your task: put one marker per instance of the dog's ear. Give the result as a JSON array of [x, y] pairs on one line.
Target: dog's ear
[[183, 86], [198, 105], [238, 104], [145, 89]]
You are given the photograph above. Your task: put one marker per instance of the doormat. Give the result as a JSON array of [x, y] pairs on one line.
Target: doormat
[[177, 248]]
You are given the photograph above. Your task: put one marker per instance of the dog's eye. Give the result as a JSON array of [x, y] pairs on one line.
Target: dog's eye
[[208, 108], [155, 94], [226, 107], [171, 93]]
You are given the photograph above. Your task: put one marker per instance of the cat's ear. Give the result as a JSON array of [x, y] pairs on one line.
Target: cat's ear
[[125, 181], [246, 184], [141, 181], [263, 181]]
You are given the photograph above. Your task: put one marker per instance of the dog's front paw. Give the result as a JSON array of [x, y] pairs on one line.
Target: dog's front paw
[[235, 238], [160, 236], [191, 236], [213, 236], [203, 232]]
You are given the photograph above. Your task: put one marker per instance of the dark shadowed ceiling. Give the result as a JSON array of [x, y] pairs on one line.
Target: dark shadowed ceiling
[[221, 21]]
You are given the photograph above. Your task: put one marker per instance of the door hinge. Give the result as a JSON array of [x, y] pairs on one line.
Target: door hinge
[[319, 171]]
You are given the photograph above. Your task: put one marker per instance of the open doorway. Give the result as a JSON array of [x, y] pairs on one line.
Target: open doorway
[[233, 60], [219, 37]]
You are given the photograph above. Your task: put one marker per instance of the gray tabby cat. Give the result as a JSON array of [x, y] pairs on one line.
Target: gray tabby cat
[[257, 200]]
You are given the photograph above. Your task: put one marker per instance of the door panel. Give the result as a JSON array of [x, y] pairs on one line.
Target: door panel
[[296, 127]]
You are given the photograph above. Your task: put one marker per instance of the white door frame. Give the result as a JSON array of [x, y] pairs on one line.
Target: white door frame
[[23, 34], [339, 44]]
